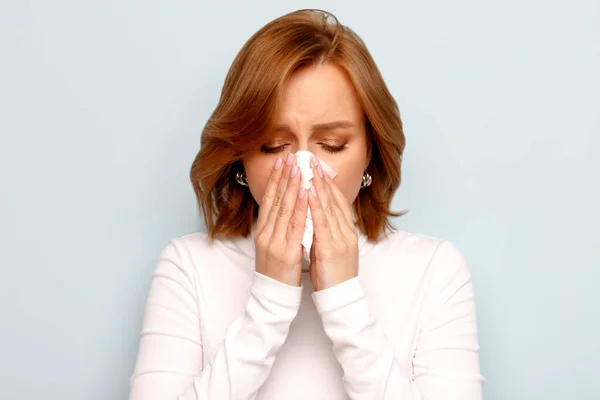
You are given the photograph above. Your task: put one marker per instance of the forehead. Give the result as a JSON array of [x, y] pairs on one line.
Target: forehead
[[319, 93]]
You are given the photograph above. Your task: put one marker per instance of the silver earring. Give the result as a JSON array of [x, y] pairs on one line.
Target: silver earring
[[366, 180], [240, 177]]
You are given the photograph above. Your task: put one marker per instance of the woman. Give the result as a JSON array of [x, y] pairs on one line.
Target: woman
[[239, 313]]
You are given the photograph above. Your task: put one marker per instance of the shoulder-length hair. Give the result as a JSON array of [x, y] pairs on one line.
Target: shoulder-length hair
[[248, 102]]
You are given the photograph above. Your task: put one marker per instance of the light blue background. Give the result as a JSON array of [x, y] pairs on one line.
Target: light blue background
[[101, 108]]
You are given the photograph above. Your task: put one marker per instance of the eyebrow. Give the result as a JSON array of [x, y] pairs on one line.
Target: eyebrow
[[327, 126]]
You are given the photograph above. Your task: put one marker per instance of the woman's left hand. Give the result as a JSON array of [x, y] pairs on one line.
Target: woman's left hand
[[334, 253]]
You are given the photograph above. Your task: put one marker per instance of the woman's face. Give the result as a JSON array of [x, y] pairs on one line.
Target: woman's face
[[319, 112]]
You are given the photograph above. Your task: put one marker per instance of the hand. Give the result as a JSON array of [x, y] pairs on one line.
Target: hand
[[280, 226], [334, 253]]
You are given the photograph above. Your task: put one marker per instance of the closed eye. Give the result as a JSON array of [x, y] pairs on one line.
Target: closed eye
[[327, 147], [269, 150], [333, 149]]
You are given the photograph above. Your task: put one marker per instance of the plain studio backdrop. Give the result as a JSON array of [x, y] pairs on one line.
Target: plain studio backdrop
[[101, 108]]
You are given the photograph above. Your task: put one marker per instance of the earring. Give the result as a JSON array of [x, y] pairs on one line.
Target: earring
[[240, 177], [366, 180]]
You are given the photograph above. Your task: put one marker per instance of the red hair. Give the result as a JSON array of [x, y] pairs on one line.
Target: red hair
[[248, 103]]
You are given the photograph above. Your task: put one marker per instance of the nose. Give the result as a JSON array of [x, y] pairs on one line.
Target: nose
[[302, 141], [305, 145], [301, 145]]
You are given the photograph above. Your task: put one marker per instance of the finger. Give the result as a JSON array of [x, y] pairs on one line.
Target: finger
[[278, 197], [326, 222], [288, 204], [322, 232], [269, 195], [296, 227], [334, 207], [343, 204], [332, 210]]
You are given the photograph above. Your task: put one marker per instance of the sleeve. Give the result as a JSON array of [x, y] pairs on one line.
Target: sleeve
[[170, 355], [446, 361]]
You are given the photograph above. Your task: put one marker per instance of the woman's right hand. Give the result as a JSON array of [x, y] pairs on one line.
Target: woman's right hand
[[280, 226]]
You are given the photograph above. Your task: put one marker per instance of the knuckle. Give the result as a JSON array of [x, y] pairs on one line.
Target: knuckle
[[260, 241], [273, 253], [328, 253], [266, 199], [274, 178], [330, 210], [277, 200], [316, 207], [301, 206], [322, 223], [284, 211], [296, 225]]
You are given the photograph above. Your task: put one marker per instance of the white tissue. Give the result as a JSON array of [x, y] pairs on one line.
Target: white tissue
[[303, 158]]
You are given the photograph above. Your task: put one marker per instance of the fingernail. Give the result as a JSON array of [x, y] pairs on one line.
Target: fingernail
[[313, 191], [320, 170], [302, 192], [294, 170], [278, 163], [315, 161], [289, 159]]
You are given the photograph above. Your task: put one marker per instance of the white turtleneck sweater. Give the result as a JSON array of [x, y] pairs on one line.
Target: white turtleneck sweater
[[404, 329]]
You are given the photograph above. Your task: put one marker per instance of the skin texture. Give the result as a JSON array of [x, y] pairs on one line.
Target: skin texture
[[319, 112]]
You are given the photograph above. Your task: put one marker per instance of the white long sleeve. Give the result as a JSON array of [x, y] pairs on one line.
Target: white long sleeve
[[214, 329], [446, 365], [170, 358]]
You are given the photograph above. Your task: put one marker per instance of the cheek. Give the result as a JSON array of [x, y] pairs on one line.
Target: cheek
[[349, 182], [350, 167], [258, 174]]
